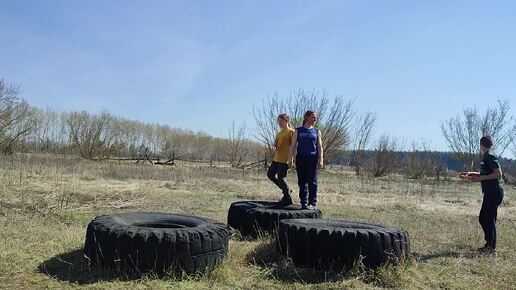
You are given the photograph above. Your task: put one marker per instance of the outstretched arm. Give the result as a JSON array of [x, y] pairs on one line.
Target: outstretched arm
[[497, 173], [468, 173]]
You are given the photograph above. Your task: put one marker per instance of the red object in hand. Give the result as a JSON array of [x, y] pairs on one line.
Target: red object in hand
[[465, 175]]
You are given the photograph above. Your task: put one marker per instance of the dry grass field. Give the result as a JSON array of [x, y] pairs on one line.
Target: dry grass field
[[46, 203]]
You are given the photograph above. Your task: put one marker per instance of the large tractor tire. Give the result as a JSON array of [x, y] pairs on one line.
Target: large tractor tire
[[330, 243], [253, 218], [158, 242]]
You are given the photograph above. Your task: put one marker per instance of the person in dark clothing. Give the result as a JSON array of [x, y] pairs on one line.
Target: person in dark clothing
[[277, 172], [307, 144], [489, 177]]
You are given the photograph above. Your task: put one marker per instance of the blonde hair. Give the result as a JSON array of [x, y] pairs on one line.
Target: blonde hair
[[286, 118]]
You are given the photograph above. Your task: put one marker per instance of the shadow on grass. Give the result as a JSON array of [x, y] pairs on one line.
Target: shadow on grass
[[283, 269], [467, 253], [73, 267]]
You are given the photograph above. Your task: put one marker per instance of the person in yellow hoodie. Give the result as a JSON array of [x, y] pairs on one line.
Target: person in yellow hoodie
[[277, 172]]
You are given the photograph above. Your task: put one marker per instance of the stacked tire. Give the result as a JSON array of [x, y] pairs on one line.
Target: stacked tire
[[330, 243], [253, 218], [158, 242]]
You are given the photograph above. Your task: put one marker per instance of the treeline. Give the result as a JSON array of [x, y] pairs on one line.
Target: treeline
[[387, 159], [24, 128], [414, 164], [348, 135], [103, 135]]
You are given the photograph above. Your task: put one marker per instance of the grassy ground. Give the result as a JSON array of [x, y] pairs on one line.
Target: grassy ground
[[46, 203]]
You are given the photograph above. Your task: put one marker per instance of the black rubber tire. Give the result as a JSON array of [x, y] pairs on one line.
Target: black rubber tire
[[158, 242], [253, 218], [330, 243]]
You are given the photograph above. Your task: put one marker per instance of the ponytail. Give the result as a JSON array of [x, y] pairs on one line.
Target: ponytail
[[307, 115]]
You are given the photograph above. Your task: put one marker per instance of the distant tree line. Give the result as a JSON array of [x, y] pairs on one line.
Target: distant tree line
[[24, 128], [99, 136], [348, 135]]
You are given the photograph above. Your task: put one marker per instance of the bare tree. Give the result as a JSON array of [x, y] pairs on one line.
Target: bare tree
[[419, 161], [337, 126], [15, 116], [335, 117], [514, 145], [438, 168], [44, 135], [236, 147], [386, 159], [91, 136], [462, 133], [265, 117], [497, 123], [363, 132]]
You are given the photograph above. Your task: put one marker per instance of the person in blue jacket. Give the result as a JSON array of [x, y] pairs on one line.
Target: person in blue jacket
[[307, 147], [489, 178]]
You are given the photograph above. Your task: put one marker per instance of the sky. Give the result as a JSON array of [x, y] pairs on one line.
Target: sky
[[200, 64]]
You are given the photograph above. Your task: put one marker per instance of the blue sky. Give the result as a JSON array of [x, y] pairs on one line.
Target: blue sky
[[200, 64]]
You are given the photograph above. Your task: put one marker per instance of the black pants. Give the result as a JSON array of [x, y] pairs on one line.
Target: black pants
[[488, 215], [307, 178], [277, 173]]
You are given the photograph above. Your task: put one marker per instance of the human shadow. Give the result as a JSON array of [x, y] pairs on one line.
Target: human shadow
[[73, 267], [468, 253], [282, 268]]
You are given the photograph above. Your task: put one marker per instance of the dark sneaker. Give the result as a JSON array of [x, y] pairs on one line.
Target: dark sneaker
[[487, 250], [304, 206], [312, 206], [286, 200]]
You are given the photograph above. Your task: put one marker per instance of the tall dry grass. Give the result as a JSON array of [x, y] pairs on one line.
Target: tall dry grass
[[46, 202]]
